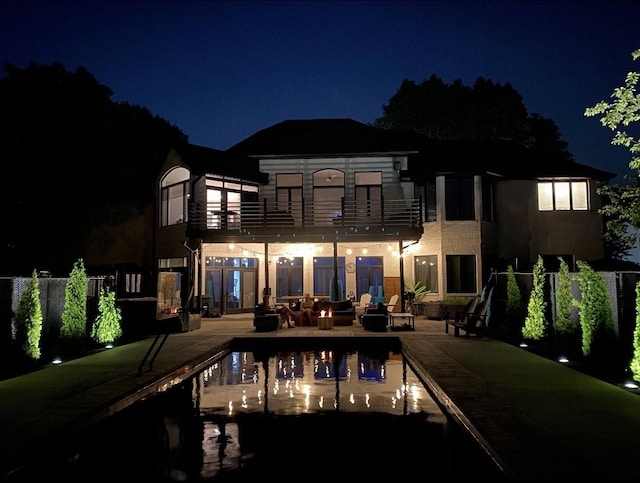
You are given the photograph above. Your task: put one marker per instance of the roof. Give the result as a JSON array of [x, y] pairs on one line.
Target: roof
[[427, 157], [501, 158], [322, 137], [203, 160]]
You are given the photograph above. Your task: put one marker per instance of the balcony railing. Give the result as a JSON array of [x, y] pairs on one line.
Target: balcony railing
[[251, 215]]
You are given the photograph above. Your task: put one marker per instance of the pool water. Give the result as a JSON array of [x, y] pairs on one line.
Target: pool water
[[326, 413]]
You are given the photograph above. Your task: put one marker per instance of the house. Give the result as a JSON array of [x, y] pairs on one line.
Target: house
[[337, 208]]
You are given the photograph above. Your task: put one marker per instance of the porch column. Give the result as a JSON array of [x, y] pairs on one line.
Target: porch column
[[400, 250], [265, 291], [335, 285]]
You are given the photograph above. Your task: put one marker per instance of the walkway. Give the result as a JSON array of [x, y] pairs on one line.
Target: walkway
[[542, 421]]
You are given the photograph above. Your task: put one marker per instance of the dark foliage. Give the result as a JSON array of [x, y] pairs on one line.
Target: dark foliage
[[78, 161], [484, 111]]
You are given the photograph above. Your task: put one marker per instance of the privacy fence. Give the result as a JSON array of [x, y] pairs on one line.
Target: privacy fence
[[52, 293]]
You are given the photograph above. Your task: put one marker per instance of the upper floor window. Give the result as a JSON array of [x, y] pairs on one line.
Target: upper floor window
[[368, 193], [289, 195], [225, 197], [563, 195], [488, 200], [174, 195], [459, 198]]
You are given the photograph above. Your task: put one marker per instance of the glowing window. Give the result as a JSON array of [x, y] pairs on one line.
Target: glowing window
[[563, 196]]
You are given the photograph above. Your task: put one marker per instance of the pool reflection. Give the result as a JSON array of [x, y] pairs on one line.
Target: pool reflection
[[318, 414], [312, 381]]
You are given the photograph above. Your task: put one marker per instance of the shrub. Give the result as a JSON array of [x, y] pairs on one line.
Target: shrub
[[635, 361], [514, 296], [74, 314], [28, 320], [596, 314], [534, 323], [106, 328], [563, 323]]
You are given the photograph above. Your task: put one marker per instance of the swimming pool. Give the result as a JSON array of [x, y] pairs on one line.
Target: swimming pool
[[317, 411]]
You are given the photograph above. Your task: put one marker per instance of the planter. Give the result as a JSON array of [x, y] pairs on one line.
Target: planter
[[439, 310], [431, 310]]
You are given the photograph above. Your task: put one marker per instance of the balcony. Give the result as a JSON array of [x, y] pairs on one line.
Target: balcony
[[308, 222]]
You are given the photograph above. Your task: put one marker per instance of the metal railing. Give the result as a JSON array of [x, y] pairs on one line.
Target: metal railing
[[271, 214]]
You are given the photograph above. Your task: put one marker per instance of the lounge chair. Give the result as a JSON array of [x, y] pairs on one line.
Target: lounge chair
[[392, 303], [375, 318], [361, 306], [472, 321]]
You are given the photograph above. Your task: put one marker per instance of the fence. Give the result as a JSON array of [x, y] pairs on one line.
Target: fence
[[622, 295]]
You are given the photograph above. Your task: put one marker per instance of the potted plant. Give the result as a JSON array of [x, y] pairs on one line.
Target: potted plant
[[414, 292]]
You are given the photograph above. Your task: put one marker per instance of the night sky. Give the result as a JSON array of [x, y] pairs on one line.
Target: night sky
[[220, 71]]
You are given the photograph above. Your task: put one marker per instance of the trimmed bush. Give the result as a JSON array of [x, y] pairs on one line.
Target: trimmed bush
[[28, 320], [107, 328], [635, 361], [596, 314], [563, 323], [535, 323]]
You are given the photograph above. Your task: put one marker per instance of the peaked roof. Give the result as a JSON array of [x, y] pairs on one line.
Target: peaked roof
[[318, 137], [427, 157]]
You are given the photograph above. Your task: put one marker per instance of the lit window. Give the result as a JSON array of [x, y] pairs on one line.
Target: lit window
[[563, 195], [579, 196], [174, 197]]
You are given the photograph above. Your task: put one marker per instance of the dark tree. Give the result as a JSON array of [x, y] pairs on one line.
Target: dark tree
[[484, 111], [76, 160]]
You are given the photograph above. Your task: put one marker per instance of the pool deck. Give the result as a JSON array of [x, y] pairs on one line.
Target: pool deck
[[541, 420]]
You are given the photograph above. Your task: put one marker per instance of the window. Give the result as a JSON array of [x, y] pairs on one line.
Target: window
[[461, 274], [289, 195], [289, 276], [323, 276], [368, 194], [488, 200], [174, 193], [224, 202], [369, 273], [459, 198], [172, 262], [563, 196], [426, 271]]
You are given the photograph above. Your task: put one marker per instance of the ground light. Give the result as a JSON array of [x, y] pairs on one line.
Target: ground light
[[524, 345], [563, 359], [57, 360], [631, 385], [109, 346]]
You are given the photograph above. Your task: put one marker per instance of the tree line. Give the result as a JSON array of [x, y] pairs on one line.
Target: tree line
[[82, 163]]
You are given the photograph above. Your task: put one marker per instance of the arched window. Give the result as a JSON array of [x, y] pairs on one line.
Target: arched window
[[174, 196]]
